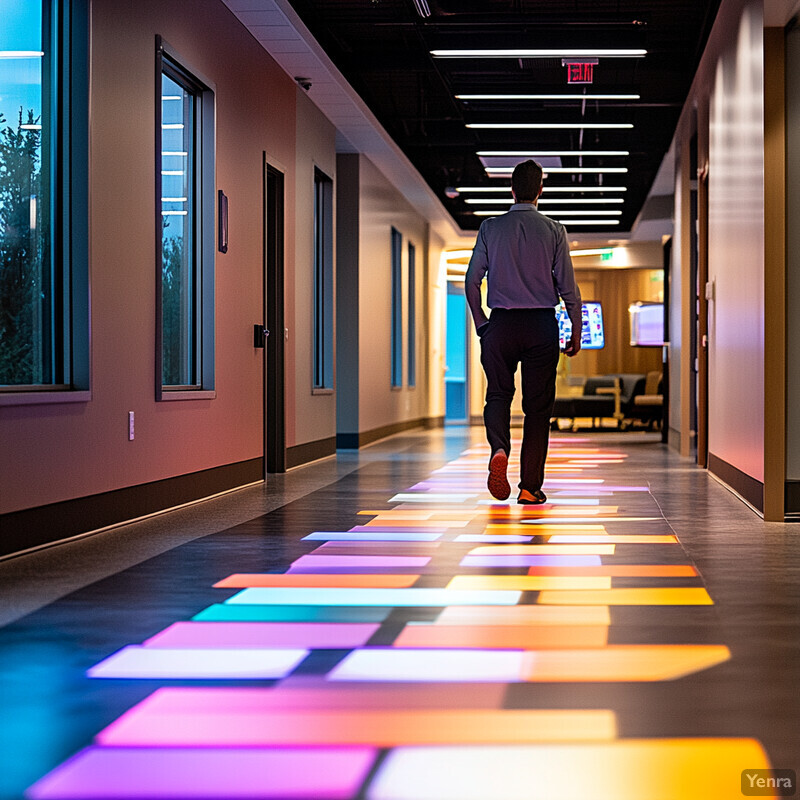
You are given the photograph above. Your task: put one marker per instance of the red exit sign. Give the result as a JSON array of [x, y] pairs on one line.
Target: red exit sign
[[580, 72]]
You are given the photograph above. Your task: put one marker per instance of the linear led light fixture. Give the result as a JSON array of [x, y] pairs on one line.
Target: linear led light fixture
[[568, 53], [586, 213], [173, 126], [183, 153], [173, 199], [581, 200], [588, 221], [550, 189], [422, 8], [559, 200], [547, 189], [532, 153], [548, 97], [562, 170], [21, 53], [598, 251], [30, 127], [546, 126]]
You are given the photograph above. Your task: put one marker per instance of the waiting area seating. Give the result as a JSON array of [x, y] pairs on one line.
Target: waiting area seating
[[615, 397]]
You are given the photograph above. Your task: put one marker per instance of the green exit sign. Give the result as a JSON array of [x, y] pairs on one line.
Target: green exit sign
[[606, 256]]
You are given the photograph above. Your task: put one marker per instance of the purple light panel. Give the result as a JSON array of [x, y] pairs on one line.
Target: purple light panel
[[530, 561], [153, 662], [319, 563], [143, 773], [309, 693], [262, 634], [372, 535]]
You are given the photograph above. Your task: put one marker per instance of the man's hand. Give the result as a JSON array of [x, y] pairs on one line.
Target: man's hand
[[482, 328], [573, 345]]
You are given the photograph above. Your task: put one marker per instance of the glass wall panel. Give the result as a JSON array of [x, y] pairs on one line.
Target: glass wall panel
[[178, 219], [29, 297]]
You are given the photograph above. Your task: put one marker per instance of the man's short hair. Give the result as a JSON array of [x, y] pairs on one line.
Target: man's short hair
[[526, 180]]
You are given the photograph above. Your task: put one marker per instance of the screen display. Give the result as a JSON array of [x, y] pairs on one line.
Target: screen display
[[647, 324], [592, 332]]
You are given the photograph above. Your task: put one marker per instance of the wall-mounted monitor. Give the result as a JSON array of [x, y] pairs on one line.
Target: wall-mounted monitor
[[647, 324], [592, 332]]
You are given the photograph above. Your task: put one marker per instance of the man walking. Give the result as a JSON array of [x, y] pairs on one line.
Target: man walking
[[525, 258]]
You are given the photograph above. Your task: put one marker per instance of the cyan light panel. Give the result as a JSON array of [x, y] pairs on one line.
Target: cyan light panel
[[221, 612], [372, 597]]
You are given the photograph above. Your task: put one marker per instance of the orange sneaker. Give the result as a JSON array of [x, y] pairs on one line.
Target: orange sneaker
[[536, 498], [497, 483]]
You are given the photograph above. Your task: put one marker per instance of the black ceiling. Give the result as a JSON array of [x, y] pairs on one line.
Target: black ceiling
[[383, 48]]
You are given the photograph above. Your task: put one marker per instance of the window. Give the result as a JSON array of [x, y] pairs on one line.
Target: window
[[397, 309], [43, 201], [323, 281], [412, 315], [185, 260]]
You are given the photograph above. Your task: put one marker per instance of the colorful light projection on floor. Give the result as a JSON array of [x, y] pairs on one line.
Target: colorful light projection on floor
[[198, 663], [151, 773], [612, 663], [632, 769], [342, 727], [313, 735], [397, 598]]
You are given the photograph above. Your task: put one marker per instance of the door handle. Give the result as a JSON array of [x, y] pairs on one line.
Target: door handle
[[260, 334]]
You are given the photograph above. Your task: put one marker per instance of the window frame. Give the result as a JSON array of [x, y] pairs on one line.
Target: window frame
[[203, 228], [323, 363], [411, 314], [65, 25], [396, 338]]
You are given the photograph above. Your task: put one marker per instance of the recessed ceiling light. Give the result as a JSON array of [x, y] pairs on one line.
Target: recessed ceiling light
[[523, 53], [548, 97], [545, 153]]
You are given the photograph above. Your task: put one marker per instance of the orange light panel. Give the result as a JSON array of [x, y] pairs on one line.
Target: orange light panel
[[670, 596], [379, 728], [512, 637], [622, 663], [628, 769], [622, 571], [616, 538], [528, 583]]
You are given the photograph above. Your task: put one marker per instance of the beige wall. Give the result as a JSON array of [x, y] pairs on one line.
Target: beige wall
[[736, 251], [310, 417], [382, 208]]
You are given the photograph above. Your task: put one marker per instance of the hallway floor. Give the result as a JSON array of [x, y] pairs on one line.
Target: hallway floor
[[373, 627]]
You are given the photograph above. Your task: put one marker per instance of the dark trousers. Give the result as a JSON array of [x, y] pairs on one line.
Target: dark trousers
[[526, 336]]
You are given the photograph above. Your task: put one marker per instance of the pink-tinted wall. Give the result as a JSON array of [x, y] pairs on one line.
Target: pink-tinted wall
[[56, 452]]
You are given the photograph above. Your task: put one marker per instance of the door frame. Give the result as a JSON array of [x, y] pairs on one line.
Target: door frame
[[274, 353]]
